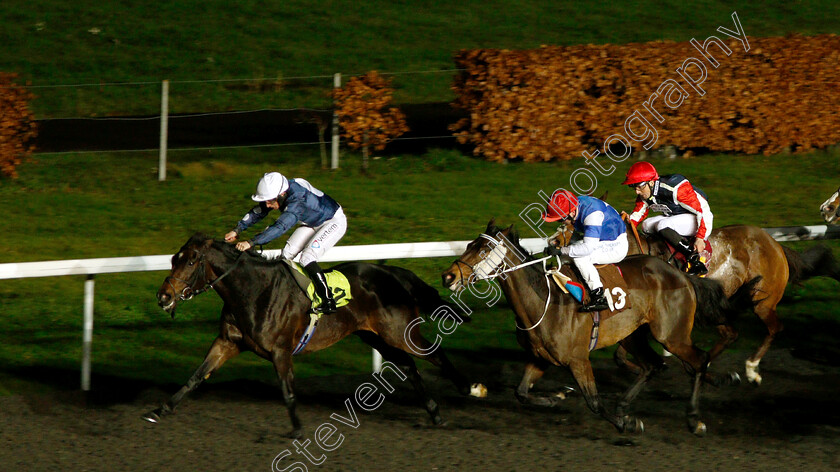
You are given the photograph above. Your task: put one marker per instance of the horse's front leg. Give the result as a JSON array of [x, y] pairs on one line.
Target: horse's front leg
[[534, 371], [282, 359], [582, 372], [221, 350]]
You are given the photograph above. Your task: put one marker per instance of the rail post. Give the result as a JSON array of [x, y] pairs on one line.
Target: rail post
[[87, 333]]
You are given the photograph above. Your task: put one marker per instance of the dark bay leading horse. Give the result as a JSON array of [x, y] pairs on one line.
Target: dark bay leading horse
[[553, 332], [266, 312], [830, 209], [742, 253]]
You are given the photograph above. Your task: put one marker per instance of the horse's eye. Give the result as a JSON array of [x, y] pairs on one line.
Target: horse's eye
[[192, 263]]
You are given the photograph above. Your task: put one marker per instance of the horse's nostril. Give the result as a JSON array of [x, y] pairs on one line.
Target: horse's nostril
[[447, 278], [163, 298]]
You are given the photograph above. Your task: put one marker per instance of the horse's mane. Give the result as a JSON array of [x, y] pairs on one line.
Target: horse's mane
[[229, 250]]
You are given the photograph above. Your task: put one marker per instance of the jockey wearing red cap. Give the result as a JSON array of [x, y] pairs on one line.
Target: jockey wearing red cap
[[685, 209], [604, 239]]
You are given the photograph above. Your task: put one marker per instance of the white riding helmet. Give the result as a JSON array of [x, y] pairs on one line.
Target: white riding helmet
[[271, 185]]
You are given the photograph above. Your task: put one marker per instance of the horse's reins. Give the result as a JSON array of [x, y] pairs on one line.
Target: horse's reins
[[497, 272], [626, 218], [188, 292]]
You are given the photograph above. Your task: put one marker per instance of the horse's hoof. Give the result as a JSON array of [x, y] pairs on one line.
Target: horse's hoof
[[633, 425], [752, 373], [152, 416], [478, 390], [564, 392], [699, 429], [295, 434], [438, 421]]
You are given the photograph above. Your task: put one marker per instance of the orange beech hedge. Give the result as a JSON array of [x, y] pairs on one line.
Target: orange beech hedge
[[17, 125], [766, 95], [363, 111]]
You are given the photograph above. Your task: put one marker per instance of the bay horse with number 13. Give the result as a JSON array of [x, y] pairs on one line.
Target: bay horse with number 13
[[552, 330], [266, 312]]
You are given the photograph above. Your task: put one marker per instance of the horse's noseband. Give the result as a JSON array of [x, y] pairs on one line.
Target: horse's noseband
[[498, 252], [188, 291]]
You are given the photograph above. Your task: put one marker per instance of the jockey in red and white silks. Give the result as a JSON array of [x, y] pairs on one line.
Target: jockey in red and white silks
[[685, 211]]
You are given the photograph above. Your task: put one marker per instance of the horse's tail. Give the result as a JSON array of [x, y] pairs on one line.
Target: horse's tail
[[427, 298], [714, 308], [814, 262]]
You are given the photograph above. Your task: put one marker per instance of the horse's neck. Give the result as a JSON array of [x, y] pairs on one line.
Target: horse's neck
[[243, 279], [654, 247], [526, 294]]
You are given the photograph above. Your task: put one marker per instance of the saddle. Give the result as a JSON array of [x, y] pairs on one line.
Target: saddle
[[615, 287], [338, 285], [615, 290], [336, 281]]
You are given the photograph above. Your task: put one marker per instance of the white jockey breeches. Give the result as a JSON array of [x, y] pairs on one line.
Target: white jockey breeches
[[312, 243], [685, 224], [605, 252]]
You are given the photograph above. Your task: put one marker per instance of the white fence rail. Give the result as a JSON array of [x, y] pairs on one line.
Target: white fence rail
[[91, 267]]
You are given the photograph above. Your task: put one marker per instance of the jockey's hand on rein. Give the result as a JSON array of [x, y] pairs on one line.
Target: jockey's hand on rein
[[552, 250]]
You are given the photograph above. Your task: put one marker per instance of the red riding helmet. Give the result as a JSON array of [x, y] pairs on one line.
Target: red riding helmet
[[640, 172], [562, 203]]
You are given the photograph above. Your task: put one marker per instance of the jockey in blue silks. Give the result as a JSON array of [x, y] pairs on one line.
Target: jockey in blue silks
[[322, 224], [604, 239]]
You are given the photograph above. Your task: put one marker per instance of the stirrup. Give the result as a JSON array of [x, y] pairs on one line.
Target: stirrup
[[326, 307], [695, 266], [598, 304]]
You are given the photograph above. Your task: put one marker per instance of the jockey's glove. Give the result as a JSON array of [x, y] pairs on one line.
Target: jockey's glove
[[552, 250]]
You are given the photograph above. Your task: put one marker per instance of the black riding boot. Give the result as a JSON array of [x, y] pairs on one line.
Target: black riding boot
[[597, 301], [320, 282], [682, 244]]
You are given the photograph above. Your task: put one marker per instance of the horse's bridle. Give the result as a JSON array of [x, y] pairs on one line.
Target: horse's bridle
[[828, 202], [189, 292], [495, 270]]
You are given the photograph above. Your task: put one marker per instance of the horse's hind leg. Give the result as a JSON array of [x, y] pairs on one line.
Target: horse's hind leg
[[767, 313], [282, 360], [534, 370], [221, 350], [406, 364], [582, 372]]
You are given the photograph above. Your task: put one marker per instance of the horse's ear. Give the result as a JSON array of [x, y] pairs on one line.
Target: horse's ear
[[491, 225], [603, 197], [513, 235]]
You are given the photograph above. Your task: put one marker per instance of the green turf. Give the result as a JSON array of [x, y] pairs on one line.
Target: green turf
[[88, 42], [111, 205]]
